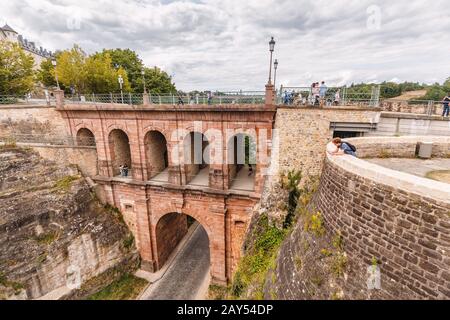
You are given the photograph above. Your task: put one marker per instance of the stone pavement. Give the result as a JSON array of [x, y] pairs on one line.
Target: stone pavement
[[188, 274], [416, 167]]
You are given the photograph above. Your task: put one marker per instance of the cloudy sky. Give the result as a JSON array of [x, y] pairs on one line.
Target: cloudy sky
[[223, 44]]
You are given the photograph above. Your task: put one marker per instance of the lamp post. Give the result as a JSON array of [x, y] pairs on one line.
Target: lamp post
[[120, 79], [275, 67], [143, 79], [56, 73], [271, 48]]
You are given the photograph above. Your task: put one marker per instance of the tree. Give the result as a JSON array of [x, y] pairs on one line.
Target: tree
[[158, 81], [46, 73], [101, 77], [16, 69], [71, 68], [130, 62]]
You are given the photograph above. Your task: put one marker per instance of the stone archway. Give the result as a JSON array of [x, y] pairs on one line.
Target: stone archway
[[156, 153], [196, 159], [170, 231], [119, 148], [85, 137], [241, 162]]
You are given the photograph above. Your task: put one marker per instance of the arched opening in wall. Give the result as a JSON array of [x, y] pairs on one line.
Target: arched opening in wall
[[177, 233], [119, 146], [85, 137], [196, 159], [157, 158], [242, 162]]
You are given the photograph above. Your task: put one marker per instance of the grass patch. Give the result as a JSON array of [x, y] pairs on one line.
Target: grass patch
[[9, 143], [314, 223], [46, 238], [16, 286], [440, 175], [128, 242], [217, 292], [65, 183], [384, 154], [256, 263], [128, 287], [339, 264]]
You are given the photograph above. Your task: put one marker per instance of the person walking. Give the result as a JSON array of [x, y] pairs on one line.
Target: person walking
[[121, 170], [445, 104], [209, 98]]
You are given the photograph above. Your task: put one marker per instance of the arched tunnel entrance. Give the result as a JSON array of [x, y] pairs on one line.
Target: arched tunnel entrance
[[196, 159], [156, 156], [119, 147], [242, 162], [183, 248], [85, 137]]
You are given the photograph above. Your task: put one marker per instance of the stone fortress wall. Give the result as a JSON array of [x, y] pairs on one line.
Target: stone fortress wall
[[44, 124], [399, 219]]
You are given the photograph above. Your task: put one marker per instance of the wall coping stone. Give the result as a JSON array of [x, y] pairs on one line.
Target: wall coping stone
[[400, 180]]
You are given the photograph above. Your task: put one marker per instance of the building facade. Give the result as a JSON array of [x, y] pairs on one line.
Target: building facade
[[38, 53]]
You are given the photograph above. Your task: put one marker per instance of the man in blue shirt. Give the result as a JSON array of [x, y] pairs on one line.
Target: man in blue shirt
[[445, 103]]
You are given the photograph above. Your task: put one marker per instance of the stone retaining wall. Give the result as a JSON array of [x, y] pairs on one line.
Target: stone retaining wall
[[399, 147], [30, 119], [401, 220]]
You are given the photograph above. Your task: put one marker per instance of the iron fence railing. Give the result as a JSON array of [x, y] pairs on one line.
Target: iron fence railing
[[427, 107], [26, 99], [47, 139], [237, 97], [318, 96]]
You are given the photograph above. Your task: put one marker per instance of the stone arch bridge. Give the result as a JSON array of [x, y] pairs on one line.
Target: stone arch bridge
[[182, 161]]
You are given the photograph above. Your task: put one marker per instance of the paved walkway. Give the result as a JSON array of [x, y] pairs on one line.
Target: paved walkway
[[416, 167], [188, 275]]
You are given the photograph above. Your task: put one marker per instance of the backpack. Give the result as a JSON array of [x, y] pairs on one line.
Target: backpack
[[350, 146]]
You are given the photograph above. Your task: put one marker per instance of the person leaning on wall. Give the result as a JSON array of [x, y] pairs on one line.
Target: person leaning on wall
[[337, 147]]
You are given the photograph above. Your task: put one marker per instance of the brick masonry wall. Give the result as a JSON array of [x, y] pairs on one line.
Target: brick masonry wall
[[304, 133], [407, 231]]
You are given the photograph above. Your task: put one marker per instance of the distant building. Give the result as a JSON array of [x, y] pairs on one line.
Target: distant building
[[38, 53]]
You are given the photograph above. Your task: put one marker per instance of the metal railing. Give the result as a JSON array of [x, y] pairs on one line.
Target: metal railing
[[339, 96], [237, 97], [25, 99], [116, 98], [426, 107]]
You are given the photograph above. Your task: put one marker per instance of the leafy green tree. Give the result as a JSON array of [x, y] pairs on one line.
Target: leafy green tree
[[46, 73], [101, 77], [437, 92], [16, 69], [71, 68], [158, 82], [130, 62]]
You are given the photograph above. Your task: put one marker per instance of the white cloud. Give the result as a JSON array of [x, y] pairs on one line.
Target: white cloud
[[222, 44]]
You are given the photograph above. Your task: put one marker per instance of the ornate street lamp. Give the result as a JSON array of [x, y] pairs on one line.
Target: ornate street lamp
[[275, 67], [271, 48], [56, 73], [120, 79], [143, 79]]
